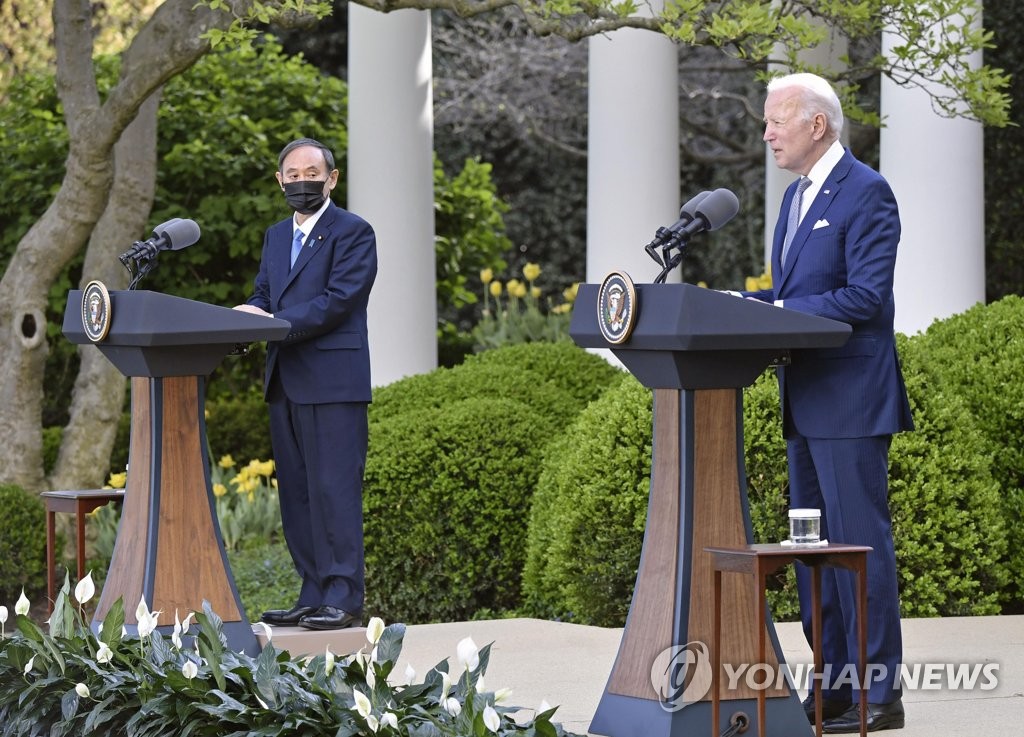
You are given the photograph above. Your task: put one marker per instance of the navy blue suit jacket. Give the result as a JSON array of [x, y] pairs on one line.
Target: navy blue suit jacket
[[840, 266], [326, 355]]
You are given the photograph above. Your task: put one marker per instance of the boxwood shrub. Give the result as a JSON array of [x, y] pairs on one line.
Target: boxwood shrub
[[977, 357], [453, 461], [22, 543]]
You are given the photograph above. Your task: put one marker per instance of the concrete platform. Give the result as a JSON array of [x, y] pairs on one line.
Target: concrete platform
[[567, 665]]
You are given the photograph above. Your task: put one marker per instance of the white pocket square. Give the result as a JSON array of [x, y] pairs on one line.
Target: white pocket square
[[823, 223]]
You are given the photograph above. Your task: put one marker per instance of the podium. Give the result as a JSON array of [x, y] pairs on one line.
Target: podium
[[169, 549], [696, 349]]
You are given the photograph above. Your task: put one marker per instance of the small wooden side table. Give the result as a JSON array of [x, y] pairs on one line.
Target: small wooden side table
[[761, 561], [80, 503]]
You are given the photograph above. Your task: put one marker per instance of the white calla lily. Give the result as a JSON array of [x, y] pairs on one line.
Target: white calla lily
[[374, 629], [29, 664], [141, 611], [502, 695], [446, 685], [190, 670], [468, 653], [372, 723], [85, 589], [362, 705], [491, 719], [389, 719], [371, 678], [267, 631], [452, 706], [104, 653], [82, 690], [22, 606], [480, 687], [328, 660], [410, 674]]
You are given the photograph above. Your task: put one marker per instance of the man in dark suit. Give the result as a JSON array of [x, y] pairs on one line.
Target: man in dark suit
[[834, 255], [316, 272]]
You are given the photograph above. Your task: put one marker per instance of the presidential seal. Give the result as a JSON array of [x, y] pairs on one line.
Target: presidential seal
[[96, 311], [616, 307]]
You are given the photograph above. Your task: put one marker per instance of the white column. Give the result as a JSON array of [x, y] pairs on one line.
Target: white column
[[633, 151], [936, 169], [391, 182]]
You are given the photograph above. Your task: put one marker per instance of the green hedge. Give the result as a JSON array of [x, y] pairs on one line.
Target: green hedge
[[977, 357], [22, 544], [453, 461]]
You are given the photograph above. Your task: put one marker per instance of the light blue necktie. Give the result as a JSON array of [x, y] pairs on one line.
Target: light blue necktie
[[794, 216], [296, 245]]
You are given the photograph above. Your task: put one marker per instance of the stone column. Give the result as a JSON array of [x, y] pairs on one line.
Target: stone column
[[391, 182]]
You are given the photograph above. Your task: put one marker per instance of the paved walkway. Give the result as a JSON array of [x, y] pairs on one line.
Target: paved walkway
[[567, 665]]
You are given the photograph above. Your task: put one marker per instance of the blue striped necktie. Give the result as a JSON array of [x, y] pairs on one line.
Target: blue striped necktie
[[296, 245], [794, 216]]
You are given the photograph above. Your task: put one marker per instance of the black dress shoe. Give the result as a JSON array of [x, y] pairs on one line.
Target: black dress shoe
[[330, 618], [880, 716], [830, 708], [286, 617]]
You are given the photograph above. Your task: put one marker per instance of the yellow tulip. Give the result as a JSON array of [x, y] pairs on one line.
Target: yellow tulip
[[495, 288], [535, 292], [569, 293], [219, 490], [226, 461], [117, 480], [531, 271], [519, 291], [486, 275]]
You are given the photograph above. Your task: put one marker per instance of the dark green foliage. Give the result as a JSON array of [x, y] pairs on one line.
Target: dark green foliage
[[22, 543], [239, 425], [589, 512], [453, 461], [976, 357], [580, 375], [446, 505], [470, 231], [947, 525], [1004, 148], [265, 577], [555, 379]]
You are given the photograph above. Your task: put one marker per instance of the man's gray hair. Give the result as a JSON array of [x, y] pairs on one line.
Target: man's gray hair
[[818, 97], [299, 143]]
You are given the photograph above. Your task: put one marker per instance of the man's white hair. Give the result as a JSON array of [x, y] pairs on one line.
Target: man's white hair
[[818, 97]]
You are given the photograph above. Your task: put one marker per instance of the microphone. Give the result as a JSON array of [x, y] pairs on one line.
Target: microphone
[[686, 214], [710, 213], [173, 235]]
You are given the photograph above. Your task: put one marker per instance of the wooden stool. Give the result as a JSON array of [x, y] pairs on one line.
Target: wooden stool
[[79, 503], [761, 561]]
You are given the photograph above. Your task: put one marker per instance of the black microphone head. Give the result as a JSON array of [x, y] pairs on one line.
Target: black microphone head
[[689, 209], [176, 234], [718, 208]]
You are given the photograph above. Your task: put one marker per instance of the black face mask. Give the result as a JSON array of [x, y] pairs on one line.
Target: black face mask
[[305, 196]]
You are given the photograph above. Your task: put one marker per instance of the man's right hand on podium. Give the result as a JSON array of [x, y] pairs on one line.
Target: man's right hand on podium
[[252, 309]]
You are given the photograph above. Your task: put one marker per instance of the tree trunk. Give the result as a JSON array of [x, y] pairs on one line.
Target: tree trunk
[[98, 397], [169, 43]]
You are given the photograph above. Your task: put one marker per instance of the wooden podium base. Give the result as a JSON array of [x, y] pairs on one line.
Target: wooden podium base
[[697, 500], [169, 549]]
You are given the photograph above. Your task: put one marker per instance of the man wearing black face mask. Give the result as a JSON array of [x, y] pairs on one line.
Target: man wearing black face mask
[[316, 272]]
